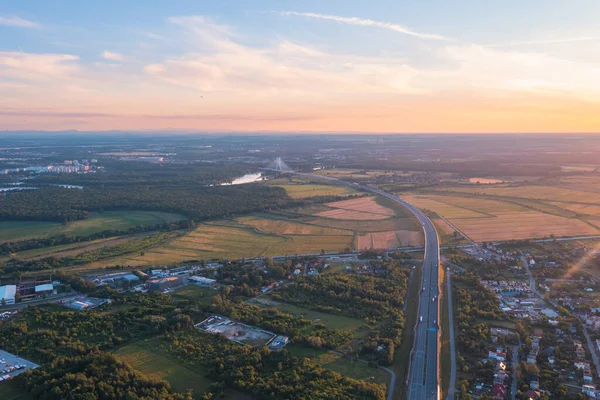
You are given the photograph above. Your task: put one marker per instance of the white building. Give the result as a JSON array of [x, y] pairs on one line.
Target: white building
[[8, 293], [202, 281]]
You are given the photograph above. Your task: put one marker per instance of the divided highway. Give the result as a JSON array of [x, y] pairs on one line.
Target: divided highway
[[423, 375]]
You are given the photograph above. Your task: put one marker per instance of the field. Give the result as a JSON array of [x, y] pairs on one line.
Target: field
[[387, 239], [345, 366], [364, 208], [299, 188], [295, 231], [501, 212], [193, 293], [342, 173], [148, 357], [97, 222], [330, 320], [73, 249]]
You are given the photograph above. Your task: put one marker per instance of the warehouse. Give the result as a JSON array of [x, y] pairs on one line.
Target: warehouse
[[8, 293], [164, 283]]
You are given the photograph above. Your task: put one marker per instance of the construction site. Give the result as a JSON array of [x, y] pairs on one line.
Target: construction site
[[236, 331]]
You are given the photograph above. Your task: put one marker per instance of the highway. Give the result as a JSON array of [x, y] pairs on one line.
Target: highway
[[423, 375]]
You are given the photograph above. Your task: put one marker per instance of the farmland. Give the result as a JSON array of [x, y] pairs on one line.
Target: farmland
[[295, 231], [301, 189], [508, 212], [97, 222], [73, 249]]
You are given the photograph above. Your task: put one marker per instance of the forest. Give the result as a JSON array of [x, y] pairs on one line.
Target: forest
[[268, 374], [199, 203], [73, 350], [474, 302], [377, 300]]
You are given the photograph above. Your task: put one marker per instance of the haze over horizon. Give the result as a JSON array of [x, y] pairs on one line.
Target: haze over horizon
[[283, 66]]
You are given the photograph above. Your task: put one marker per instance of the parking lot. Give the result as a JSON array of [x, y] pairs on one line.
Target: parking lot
[[11, 366]]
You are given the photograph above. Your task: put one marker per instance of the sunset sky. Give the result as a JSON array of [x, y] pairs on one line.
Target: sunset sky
[[295, 66]]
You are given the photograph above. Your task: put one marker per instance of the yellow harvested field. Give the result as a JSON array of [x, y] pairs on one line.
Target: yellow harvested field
[[305, 190], [550, 193], [442, 226], [364, 204], [351, 215], [390, 224], [586, 209], [361, 209], [282, 227], [522, 225], [433, 203], [214, 241], [388, 240]]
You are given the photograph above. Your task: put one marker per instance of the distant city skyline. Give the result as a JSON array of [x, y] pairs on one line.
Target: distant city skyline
[[310, 66]]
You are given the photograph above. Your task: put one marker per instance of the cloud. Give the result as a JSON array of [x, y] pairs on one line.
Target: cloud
[[36, 67], [50, 113], [53, 114], [153, 36], [111, 56], [547, 41], [18, 22], [365, 22], [222, 64]]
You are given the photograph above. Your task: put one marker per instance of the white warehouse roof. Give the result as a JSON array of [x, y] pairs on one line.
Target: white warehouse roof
[[8, 292], [44, 288]]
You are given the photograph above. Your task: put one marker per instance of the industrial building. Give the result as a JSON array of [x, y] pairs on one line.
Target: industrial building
[[8, 293], [164, 283], [202, 281], [45, 289], [85, 303]]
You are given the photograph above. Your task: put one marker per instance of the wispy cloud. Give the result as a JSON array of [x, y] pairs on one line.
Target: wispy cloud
[[365, 22], [17, 22], [547, 41], [153, 36], [111, 56]]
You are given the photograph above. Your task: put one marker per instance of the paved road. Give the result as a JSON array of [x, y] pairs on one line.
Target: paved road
[[515, 363], [452, 385], [423, 375]]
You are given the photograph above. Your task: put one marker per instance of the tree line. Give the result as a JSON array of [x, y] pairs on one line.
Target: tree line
[[199, 203]]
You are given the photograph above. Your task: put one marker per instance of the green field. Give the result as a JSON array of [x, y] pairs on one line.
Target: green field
[[345, 366], [97, 222], [302, 190], [148, 357], [193, 293], [330, 320], [11, 391]]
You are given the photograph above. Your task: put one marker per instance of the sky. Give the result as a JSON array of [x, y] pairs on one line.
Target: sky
[[384, 66]]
